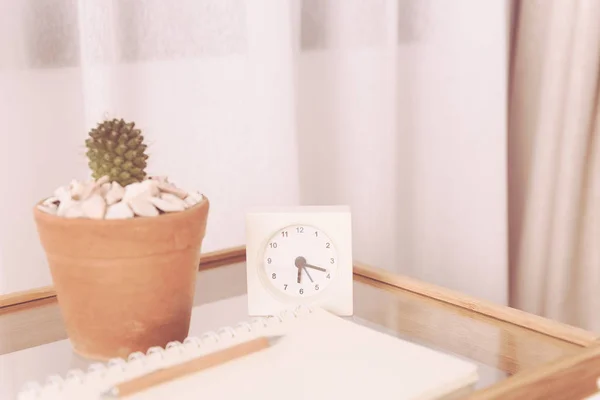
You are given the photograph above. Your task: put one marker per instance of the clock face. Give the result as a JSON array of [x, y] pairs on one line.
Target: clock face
[[300, 261]]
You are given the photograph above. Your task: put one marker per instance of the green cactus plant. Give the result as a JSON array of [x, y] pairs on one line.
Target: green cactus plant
[[117, 150]]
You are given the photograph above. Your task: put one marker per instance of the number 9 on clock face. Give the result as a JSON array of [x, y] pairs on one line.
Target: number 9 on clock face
[[299, 261]]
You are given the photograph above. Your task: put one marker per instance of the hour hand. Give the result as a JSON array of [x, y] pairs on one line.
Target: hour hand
[[299, 274], [315, 267]]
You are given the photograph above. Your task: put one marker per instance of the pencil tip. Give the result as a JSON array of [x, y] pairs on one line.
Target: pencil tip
[[274, 339], [111, 393]]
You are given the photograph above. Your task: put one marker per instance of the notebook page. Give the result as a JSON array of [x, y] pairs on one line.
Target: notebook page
[[327, 357]]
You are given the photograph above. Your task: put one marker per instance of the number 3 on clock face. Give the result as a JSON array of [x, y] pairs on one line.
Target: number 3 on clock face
[[300, 261]]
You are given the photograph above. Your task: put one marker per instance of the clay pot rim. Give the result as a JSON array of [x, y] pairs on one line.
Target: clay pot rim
[[83, 222]]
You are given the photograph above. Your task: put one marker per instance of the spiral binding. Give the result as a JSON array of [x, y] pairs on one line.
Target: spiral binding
[[157, 357]]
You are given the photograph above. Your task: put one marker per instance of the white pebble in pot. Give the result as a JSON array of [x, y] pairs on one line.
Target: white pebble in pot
[[102, 199]]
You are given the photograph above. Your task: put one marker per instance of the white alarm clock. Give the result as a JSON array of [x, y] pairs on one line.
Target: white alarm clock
[[299, 256]]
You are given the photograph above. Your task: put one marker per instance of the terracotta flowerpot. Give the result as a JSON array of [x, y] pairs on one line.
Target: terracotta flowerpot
[[124, 285]]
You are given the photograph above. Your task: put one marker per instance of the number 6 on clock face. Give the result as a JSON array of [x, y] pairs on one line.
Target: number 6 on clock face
[[299, 256], [300, 260]]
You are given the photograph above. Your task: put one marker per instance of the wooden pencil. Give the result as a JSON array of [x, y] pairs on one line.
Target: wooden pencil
[[161, 376]]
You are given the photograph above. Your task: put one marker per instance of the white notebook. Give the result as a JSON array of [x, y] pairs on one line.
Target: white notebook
[[317, 356]]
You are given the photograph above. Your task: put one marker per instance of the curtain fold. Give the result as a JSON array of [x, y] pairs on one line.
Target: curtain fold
[[587, 257], [552, 113]]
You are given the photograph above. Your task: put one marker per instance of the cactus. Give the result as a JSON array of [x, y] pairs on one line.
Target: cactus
[[117, 150]]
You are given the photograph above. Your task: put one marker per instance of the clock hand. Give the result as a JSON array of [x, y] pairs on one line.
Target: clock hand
[[309, 277], [314, 267], [300, 262]]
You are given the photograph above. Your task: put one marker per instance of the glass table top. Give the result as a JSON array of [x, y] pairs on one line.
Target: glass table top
[[34, 344]]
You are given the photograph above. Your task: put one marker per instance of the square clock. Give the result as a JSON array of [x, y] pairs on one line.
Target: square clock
[[299, 256]]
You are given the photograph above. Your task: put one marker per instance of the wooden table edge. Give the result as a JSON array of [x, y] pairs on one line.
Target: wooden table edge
[[232, 255], [548, 379], [568, 378], [511, 315]]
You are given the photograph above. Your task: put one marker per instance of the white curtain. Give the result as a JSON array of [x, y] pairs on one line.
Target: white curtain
[[395, 107]]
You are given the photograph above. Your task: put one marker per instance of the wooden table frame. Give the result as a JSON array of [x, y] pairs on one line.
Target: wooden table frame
[[571, 377]]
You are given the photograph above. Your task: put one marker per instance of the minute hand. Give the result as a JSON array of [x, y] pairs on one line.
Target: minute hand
[[314, 267]]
